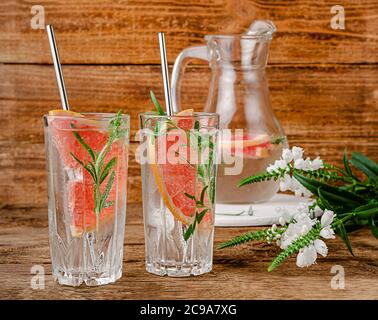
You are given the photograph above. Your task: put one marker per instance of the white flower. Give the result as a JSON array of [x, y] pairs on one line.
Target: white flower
[[307, 164], [326, 223], [304, 230], [298, 189], [327, 218], [299, 164], [295, 230], [285, 215], [297, 153], [299, 224], [280, 164], [287, 155], [306, 256], [327, 233], [286, 183], [321, 247], [317, 211], [316, 164]]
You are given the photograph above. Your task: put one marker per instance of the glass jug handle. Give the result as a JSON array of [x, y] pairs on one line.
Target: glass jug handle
[[198, 52]]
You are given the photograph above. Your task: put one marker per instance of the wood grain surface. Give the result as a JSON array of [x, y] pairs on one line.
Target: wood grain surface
[[239, 273], [124, 32], [323, 85], [322, 108]]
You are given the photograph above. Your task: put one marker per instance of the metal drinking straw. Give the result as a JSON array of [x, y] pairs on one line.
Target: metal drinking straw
[[164, 70], [57, 67]]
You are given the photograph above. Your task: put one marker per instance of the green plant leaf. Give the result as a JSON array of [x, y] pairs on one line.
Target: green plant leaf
[[367, 162], [344, 236], [266, 176], [156, 104], [190, 196], [87, 167], [83, 143], [346, 164], [365, 165], [334, 195], [203, 192], [373, 227], [201, 215], [108, 187], [370, 174], [366, 211], [324, 201], [108, 204], [250, 236], [108, 167], [188, 232]]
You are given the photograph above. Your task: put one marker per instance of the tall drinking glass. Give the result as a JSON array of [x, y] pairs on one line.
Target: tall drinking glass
[[178, 159], [87, 158]]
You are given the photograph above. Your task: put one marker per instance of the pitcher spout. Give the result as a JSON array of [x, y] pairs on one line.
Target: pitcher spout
[[261, 29]]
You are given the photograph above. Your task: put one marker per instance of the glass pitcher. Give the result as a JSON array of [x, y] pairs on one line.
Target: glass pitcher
[[251, 138]]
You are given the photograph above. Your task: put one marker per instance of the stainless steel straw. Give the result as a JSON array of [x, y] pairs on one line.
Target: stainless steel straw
[[164, 70], [57, 67]]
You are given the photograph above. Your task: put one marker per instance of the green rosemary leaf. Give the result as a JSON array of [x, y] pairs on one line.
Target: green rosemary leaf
[[250, 236], [77, 160], [201, 215], [212, 190], [190, 196], [91, 167], [91, 172], [107, 169], [108, 204], [202, 197], [196, 125], [277, 140], [266, 176], [108, 187], [156, 103], [88, 167], [188, 232], [83, 143], [201, 171]]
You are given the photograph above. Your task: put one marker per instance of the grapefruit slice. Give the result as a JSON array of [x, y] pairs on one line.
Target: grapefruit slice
[[173, 181], [80, 188], [255, 147]]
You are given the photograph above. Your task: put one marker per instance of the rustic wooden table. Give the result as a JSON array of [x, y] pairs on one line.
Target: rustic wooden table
[[238, 273]]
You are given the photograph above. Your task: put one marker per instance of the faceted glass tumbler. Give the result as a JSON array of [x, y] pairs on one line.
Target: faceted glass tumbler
[[87, 161], [178, 160]]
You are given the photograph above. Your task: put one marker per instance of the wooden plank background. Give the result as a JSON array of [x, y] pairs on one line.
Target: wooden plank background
[[323, 82]]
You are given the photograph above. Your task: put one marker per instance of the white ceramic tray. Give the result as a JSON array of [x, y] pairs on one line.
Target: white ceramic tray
[[261, 214]]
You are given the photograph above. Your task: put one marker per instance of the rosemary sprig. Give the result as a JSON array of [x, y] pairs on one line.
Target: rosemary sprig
[[249, 236], [204, 171], [298, 244], [97, 169], [200, 205]]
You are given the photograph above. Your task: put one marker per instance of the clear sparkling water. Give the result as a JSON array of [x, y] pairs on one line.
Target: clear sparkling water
[[83, 255], [167, 253]]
